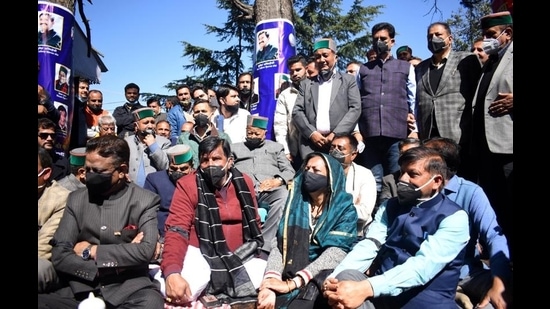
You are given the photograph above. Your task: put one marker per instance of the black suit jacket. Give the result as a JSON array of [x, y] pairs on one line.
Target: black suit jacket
[[120, 267]]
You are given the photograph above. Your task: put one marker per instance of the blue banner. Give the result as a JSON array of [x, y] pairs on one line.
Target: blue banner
[[55, 45], [275, 43]]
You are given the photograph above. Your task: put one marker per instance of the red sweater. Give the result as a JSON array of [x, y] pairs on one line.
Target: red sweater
[[182, 215]]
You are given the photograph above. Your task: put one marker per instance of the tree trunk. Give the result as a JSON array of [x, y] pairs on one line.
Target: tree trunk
[[269, 9]]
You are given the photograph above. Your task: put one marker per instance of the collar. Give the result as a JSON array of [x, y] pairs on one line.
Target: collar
[[441, 63]]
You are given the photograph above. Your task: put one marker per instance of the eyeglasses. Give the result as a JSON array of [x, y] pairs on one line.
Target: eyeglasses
[[96, 100], [44, 135], [180, 168], [382, 38], [108, 128]]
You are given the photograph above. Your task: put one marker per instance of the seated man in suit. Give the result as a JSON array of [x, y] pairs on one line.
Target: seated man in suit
[[265, 161], [107, 235]]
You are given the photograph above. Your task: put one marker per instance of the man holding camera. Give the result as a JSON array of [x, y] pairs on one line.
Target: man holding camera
[[147, 150]]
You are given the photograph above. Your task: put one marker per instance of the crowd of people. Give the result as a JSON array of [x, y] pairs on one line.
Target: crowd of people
[[388, 185]]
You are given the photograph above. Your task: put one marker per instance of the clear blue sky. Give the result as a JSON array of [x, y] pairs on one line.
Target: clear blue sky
[[141, 40]]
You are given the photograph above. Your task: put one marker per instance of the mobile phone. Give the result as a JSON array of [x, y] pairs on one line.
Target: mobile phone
[[210, 301]]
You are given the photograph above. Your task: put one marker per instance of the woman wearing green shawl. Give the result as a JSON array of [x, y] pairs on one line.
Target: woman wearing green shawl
[[317, 230]]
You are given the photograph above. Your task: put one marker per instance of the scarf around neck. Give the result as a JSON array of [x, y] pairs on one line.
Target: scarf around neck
[[228, 279]]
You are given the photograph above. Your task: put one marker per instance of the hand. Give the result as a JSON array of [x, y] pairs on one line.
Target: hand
[[177, 290], [266, 299], [149, 139], [498, 295], [318, 139], [138, 238], [269, 184], [289, 157], [346, 294], [80, 246], [275, 285], [360, 146], [502, 105], [411, 120]]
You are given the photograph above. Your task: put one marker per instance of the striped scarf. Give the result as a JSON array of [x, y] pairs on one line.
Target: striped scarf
[[228, 278]]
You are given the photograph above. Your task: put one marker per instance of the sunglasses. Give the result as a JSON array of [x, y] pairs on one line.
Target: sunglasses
[[45, 135]]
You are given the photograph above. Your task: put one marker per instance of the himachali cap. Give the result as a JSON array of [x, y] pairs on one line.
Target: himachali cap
[[78, 156], [404, 48], [325, 43], [179, 154], [143, 113], [257, 121], [495, 19]]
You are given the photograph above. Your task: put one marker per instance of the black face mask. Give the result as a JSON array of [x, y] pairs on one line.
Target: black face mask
[[314, 182], [380, 47], [245, 91], [98, 183], [95, 108], [436, 45], [408, 194], [175, 175], [253, 143], [201, 120], [147, 132], [232, 108], [213, 174]]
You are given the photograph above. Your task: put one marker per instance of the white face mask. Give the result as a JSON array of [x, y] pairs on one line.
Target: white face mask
[[491, 45]]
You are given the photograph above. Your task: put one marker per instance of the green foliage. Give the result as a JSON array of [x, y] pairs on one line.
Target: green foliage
[[312, 19], [465, 23]]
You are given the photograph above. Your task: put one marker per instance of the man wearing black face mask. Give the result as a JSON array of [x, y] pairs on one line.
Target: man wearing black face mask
[[388, 91], [234, 117], [493, 119], [202, 128], [107, 235], [446, 83], [163, 182], [414, 248], [214, 214], [265, 161], [359, 180], [327, 104], [147, 150]]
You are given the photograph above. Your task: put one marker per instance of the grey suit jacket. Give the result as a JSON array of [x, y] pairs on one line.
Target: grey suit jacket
[[345, 108], [154, 159], [500, 130], [452, 101], [120, 267], [263, 162]]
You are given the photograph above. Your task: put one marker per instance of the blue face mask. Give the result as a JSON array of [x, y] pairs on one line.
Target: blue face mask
[[491, 45]]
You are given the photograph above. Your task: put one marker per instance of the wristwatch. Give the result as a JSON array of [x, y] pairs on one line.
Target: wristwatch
[[86, 253], [283, 182]]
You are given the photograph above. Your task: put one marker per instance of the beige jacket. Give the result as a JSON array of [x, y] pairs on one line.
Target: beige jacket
[[50, 209]]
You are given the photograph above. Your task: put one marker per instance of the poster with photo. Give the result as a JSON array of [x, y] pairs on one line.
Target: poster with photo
[[55, 45]]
